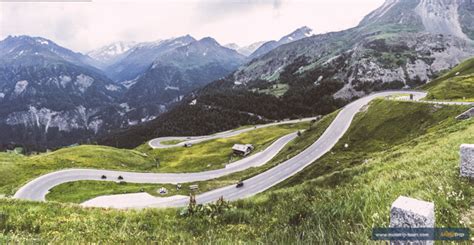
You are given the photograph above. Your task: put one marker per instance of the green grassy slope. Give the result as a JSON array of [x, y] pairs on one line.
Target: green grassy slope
[[331, 206], [78, 192], [16, 169], [381, 126], [214, 154], [457, 84]]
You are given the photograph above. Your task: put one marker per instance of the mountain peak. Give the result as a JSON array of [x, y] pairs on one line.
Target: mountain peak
[[111, 51], [299, 33], [233, 46], [186, 38], [28, 39], [209, 41]]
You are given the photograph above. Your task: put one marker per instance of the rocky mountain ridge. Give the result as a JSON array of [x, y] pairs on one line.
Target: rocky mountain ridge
[[403, 42]]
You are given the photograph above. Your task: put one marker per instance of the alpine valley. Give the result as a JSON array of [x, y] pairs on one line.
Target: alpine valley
[[125, 93]]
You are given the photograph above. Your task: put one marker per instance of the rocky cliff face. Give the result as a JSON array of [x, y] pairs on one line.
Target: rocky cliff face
[[403, 43], [48, 92]]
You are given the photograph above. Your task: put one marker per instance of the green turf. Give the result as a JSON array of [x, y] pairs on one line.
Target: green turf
[[457, 84], [215, 154], [419, 159], [81, 191], [171, 142]]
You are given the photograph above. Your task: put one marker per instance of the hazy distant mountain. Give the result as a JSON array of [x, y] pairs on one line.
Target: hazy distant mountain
[[109, 53], [136, 60], [249, 49], [49, 95], [294, 36], [245, 50], [177, 72], [233, 46]]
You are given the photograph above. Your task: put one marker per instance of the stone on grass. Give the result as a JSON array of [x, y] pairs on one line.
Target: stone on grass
[[412, 213], [467, 160]]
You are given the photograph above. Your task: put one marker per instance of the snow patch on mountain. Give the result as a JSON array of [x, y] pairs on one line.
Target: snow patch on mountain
[[43, 42], [111, 51]]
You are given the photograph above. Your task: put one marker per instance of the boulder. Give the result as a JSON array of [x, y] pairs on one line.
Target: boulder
[[467, 160], [412, 213]]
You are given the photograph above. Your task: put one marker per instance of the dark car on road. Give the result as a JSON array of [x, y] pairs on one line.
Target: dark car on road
[[103, 177], [120, 177], [240, 184]]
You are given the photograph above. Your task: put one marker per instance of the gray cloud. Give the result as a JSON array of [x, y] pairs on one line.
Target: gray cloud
[[212, 10], [85, 26]]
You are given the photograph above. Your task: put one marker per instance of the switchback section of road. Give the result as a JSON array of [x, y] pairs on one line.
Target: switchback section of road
[[263, 181]]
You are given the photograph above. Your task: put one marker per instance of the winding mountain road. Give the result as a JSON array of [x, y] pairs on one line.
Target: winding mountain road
[[260, 182], [36, 190]]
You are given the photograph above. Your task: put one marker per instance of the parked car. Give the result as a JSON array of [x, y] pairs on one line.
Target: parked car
[[103, 177], [240, 184]]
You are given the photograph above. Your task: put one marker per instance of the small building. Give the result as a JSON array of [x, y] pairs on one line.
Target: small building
[[243, 150]]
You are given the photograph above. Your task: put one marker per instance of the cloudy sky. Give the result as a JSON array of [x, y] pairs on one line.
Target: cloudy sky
[[83, 26]]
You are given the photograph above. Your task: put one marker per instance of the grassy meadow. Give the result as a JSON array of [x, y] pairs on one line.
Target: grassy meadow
[[394, 148]]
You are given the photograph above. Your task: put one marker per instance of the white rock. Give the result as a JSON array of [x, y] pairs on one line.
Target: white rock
[[411, 213], [467, 160]]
